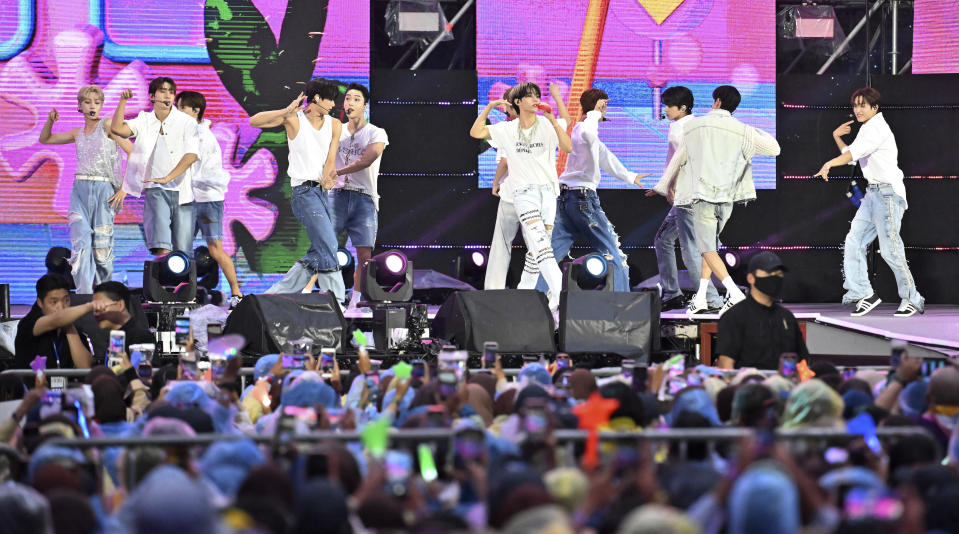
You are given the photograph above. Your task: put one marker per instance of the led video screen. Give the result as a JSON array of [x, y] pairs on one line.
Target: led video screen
[[633, 49], [243, 55]]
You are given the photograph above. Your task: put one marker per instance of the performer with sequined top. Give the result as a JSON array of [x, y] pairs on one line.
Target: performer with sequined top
[[97, 179]]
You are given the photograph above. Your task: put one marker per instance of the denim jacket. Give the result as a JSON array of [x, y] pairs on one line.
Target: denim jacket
[[715, 162]]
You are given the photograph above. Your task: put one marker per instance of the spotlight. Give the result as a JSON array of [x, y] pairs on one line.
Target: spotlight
[[732, 259], [170, 278], [589, 272], [470, 267], [387, 277], [58, 262], [347, 266]]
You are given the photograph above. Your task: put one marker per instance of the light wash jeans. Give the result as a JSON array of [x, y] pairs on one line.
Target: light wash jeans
[[535, 206], [311, 207], [879, 215], [501, 248], [678, 226], [91, 233], [166, 223]]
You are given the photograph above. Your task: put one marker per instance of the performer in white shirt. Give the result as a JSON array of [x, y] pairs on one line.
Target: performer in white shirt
[[578, 212], [880, 213], [166, 145], [530, 144], [678, 225], [507, 223], [210, 181], [717, 153], [313, 137], [354, 200]]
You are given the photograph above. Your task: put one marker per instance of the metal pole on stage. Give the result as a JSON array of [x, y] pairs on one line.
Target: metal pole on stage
[[855, 31], [436, 41], [895, 37]]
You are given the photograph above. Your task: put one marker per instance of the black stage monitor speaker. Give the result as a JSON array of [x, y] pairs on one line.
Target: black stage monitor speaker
[[517, 319], [270, 322], [609, 322]]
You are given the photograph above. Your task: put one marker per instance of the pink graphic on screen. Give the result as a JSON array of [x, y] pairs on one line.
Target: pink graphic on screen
[[696, 43], [934, 37]]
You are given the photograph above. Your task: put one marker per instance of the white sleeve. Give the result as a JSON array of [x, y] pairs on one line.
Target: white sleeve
[[611, 164], [379, 136], [672, 171], [498, 138], [758, 142]]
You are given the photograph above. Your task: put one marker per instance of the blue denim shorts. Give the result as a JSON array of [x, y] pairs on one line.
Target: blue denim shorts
[[209, 220], [166, 223], [354, 213]]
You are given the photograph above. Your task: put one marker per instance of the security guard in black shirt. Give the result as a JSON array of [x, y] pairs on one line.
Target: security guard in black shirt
[[755, 332]]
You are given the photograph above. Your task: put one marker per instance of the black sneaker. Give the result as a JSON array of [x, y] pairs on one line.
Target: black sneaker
[[675, 303], [907, 310], [866, 305]]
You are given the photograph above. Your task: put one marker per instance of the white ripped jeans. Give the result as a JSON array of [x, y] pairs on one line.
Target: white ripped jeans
[[535, 207]]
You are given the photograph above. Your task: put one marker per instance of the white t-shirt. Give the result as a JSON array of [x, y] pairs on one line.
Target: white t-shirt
[[532, 157], [209, 177], [875, 149], [351, 148], [161, 163], [589, 155], [505, 185]]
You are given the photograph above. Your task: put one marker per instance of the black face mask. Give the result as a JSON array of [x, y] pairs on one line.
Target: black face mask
[[770, 285]]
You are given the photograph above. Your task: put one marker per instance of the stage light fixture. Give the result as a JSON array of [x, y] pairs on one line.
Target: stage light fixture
[[347, 266], [207, 269], [470, 267], [589, 272], [387, 277], [732, 259], [170, 278]]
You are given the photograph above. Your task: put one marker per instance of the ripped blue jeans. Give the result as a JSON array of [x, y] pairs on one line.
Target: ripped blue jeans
[[91, 233], [578, 214]]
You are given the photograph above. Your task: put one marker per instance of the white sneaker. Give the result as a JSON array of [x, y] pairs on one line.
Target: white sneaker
[[731, 301], [866, 305], [906, 309], [235, 301], [697, 306], [354, 300]]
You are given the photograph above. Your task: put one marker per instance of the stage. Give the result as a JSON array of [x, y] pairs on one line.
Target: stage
[[831, 332]]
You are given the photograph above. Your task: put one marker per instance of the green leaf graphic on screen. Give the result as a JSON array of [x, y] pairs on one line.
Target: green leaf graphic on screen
[[263, 72]]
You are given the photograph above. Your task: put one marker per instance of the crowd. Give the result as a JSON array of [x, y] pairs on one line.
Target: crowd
[[503, 468]]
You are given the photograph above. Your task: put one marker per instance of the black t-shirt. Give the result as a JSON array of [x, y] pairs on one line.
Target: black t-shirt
[[136, 333], [755, 335], [52, 344]]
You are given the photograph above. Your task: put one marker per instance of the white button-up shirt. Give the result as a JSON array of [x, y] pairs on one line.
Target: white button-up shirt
[[875, 149], [180, 137], [207, 174], [589, 155]]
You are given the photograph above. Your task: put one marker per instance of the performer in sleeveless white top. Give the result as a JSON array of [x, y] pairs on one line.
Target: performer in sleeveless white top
[[313, 137]]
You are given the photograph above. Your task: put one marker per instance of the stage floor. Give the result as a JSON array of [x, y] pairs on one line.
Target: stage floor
[[938, 326]]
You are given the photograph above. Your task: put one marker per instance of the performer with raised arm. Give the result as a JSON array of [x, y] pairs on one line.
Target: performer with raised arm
[[678, 224], [530, 144], [313, 137], [97, 179], [880, 213], [578, 212], [209, 181], [354, 200], [717, 154], [167, 144], [507, 223]]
